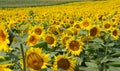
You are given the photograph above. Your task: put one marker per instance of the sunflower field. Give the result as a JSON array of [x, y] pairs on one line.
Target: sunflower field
[[77, 36]]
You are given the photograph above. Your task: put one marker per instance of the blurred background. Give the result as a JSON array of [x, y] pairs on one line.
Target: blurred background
[[24, 3]]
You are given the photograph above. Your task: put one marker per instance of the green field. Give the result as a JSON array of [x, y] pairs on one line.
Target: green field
[[26, 3]]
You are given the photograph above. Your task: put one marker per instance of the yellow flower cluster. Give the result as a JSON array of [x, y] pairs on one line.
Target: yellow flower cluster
[[60, 24]]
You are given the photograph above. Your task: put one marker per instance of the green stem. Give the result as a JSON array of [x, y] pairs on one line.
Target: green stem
[[106, 50], [23, 57]]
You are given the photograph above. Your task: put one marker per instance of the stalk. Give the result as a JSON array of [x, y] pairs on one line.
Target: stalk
[[23, 57]]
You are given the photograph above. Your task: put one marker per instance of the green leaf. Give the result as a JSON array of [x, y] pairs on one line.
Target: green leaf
[[95, 46], [104, 59], [24, 27], [83, 32], [15, 44], [91, 69], [3, 54], [90, 64], [116, 54], [115, 64], [110, 44], [111, 68], [52, 54], [110, 60], [6, 62], [60, 69], [42, 44], [80, 18], [115, 13], [31, 12], [1, 60], [114, 59], [82, 68], [24, 37], [49, 69], [88, 69], [98, 40], [45, 69], [79, 61]]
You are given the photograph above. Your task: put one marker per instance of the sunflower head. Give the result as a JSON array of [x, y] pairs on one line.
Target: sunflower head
[[84, 39], [64, 39], [77, 25], [74, 46], [4, 40], [50, 39], [69, 31], [35, 59], [107, 25], [74, 30], [3, 36], [11, 24], [115, 33], [64, 62], [114, 19], [71, 21], [86, 24], [94, 31], [53, 29], [38, 30], [32, 39]]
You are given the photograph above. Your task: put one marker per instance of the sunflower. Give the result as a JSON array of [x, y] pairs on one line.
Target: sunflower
[[4, 40], [69, 31], [50, 39], [71, 21], [3, 36], [5, 48], [32, 39], [114, 19], [38, 30], [86, 24], [3, 67], [94, 31], [27, 28], [64, 62], [107, 25], [2, 57], [64, 39], [36, 59], [74, 31], [51, 21], [11, 24], [115, 33], [65, 23], [61, 29], [83, 38], [53, 29], [74, 46], [77, 25]]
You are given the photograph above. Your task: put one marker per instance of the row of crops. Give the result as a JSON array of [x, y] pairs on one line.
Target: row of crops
[[78, 36]]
